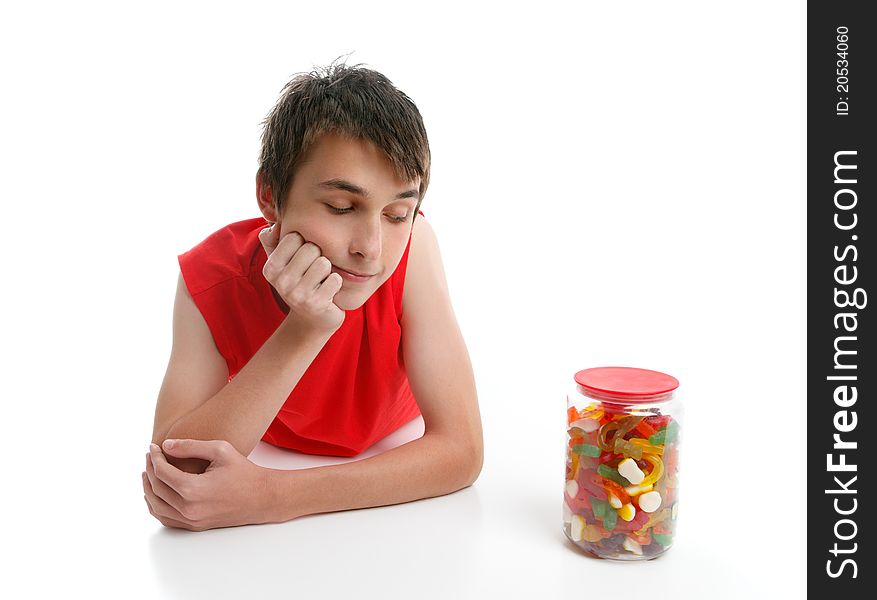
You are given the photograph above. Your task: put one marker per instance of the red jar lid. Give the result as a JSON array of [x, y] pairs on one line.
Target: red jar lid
[[627, 383]]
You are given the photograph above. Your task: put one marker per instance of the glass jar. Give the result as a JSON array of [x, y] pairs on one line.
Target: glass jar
[[622, 461]]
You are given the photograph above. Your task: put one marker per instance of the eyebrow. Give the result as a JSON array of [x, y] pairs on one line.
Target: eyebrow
[[347, 186]]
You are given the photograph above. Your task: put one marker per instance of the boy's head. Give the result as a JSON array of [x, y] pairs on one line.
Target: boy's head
[[349, 101], [345, 162]]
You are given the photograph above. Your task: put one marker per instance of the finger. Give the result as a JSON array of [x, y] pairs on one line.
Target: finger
[[326, 292], [177, 479], [298, 266], [318, 271], [211, 450], [163, 490], [162, 510], [166, 521], [269, 237], [285, 249]]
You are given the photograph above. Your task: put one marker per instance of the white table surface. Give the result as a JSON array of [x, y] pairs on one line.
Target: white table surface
[[501, 536], [77, 523]]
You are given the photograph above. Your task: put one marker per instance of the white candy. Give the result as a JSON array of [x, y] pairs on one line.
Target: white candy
[[586, 425], [572, 488], [631, 471], [567, 512], [576, 527], [650, 501], [632, 546], [674, 510], [613, 500]]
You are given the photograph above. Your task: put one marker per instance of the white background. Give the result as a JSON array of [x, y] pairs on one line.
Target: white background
[[612, 184]]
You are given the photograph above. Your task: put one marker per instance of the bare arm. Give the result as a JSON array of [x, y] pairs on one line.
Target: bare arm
[[433, 465], [244, 408], [197, 375]]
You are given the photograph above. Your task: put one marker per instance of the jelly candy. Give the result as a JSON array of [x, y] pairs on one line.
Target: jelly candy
[[627, 512], [620, 496], [612, 474], [586, 450], [616, 490], [667, 435], [632, 545], [657, 470], [610, 518], [654, 519], [645, 429]]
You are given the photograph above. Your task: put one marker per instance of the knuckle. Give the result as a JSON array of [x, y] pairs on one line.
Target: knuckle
[[189, 511], [290, 240], [282, 281], [311, 249], [298, 297], [185, 490], [268, 271]]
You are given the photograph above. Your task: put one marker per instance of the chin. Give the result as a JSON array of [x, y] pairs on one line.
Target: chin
[[346, 300]]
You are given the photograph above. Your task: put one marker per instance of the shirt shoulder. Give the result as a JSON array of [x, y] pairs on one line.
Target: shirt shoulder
[[225, 254]]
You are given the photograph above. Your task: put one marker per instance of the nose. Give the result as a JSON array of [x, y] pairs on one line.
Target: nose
[[367, 239]]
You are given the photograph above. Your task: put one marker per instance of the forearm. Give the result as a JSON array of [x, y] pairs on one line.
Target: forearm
[[244, 408], [432, 465]]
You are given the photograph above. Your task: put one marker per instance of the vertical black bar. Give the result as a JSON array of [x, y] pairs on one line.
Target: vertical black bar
[[841, 365]]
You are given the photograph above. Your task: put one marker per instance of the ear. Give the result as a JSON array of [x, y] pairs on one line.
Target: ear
[[265, 199]]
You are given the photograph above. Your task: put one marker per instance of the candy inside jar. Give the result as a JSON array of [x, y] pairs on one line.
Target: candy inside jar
[[622, 457]]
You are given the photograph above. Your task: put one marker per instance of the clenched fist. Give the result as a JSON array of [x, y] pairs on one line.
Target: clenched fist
[[303, 277]]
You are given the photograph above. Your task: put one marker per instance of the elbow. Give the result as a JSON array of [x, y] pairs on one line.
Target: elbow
[[461, 460], [472, 462], [474, 473]]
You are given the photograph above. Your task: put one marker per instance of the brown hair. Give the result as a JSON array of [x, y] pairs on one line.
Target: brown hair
[[351, 101]]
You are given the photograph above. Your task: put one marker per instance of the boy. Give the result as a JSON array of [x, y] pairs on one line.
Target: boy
[[323, 333]]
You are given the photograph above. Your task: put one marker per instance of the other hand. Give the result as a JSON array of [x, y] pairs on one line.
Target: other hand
[[232, 491]]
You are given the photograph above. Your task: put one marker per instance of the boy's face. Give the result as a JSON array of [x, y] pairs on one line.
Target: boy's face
[[369, 239]]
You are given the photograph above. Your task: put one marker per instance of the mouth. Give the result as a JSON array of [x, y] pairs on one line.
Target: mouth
[[353, 276]]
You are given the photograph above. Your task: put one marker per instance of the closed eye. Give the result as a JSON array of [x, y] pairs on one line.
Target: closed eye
[[341, 211]]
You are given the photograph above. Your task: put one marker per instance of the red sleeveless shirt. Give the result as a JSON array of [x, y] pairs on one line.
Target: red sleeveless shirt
[[356, 390]]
